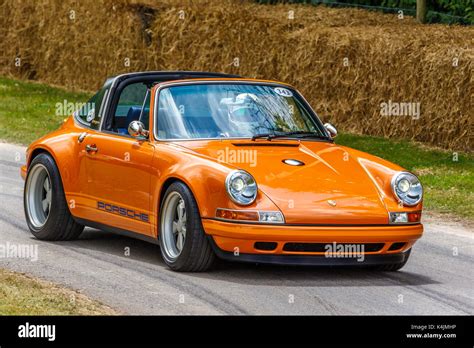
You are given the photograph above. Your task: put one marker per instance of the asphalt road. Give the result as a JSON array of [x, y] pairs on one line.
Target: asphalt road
[[438, 279]]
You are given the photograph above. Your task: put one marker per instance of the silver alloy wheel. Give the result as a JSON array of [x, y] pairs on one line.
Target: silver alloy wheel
[[38, 195], [173, 225]]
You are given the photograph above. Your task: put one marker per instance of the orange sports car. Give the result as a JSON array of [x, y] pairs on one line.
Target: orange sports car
[[212, 165]]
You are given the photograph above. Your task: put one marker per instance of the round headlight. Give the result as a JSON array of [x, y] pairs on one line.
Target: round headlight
[[404, 185], [241, 187], [407, 188]]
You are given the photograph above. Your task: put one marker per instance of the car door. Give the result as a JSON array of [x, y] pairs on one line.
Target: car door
[[119, 171], [118, 166]]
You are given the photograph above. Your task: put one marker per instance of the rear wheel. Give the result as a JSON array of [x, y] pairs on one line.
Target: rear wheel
[[183, 243], [46, 210]]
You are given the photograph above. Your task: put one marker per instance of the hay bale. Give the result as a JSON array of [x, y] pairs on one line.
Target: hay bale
[[388, 59]]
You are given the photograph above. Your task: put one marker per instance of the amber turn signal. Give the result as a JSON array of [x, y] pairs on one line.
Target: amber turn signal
[[237, 215]]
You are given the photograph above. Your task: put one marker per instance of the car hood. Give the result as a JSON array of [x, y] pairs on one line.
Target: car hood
[[332, 187]]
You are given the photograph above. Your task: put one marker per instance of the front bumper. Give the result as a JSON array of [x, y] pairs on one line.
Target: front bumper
[[237, 241]]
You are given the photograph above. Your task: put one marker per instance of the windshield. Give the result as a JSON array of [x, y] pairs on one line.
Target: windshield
[[231, 111]]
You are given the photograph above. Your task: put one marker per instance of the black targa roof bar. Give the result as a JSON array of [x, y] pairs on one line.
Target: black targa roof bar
[[161, 76]]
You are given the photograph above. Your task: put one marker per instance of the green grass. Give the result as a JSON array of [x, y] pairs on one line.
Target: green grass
[[22, 295], [28, 111]]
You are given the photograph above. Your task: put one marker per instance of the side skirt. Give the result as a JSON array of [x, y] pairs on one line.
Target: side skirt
[[116, 230]]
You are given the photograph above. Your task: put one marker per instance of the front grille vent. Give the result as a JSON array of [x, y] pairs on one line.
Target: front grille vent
[[321, 247]]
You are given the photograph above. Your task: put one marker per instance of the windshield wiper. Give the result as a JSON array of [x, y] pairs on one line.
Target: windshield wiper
[[306, 134], [297, 134], [269, 136]]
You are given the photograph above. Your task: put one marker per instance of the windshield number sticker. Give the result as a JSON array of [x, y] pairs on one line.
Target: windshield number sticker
[[283, 92]]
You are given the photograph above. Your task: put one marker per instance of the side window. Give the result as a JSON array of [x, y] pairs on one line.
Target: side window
[[132, 100], [91, 112]]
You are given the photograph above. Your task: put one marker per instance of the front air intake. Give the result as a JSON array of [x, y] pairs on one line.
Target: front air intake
[[396, 246], [266, 246], [322, 247]]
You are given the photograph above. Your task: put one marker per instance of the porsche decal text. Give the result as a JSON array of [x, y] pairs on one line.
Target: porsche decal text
[[115, 209]]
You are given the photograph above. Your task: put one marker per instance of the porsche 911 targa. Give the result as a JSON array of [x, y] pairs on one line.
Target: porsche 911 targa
[[212, 165]]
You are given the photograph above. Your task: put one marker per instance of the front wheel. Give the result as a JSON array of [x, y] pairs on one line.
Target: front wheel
[[46, 210], [183, 243]]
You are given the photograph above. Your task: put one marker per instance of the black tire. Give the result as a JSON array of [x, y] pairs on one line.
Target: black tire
[[393, 267], [59, 224], [196, 254]]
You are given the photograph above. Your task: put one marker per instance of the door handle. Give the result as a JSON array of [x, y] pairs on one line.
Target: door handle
[[91, 148]]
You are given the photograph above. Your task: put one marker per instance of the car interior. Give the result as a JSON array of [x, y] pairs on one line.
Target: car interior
[[133, 105], [125, 114]]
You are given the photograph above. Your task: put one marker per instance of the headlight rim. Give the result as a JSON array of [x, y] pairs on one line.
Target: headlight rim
[[395, 180], [228, 187]]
